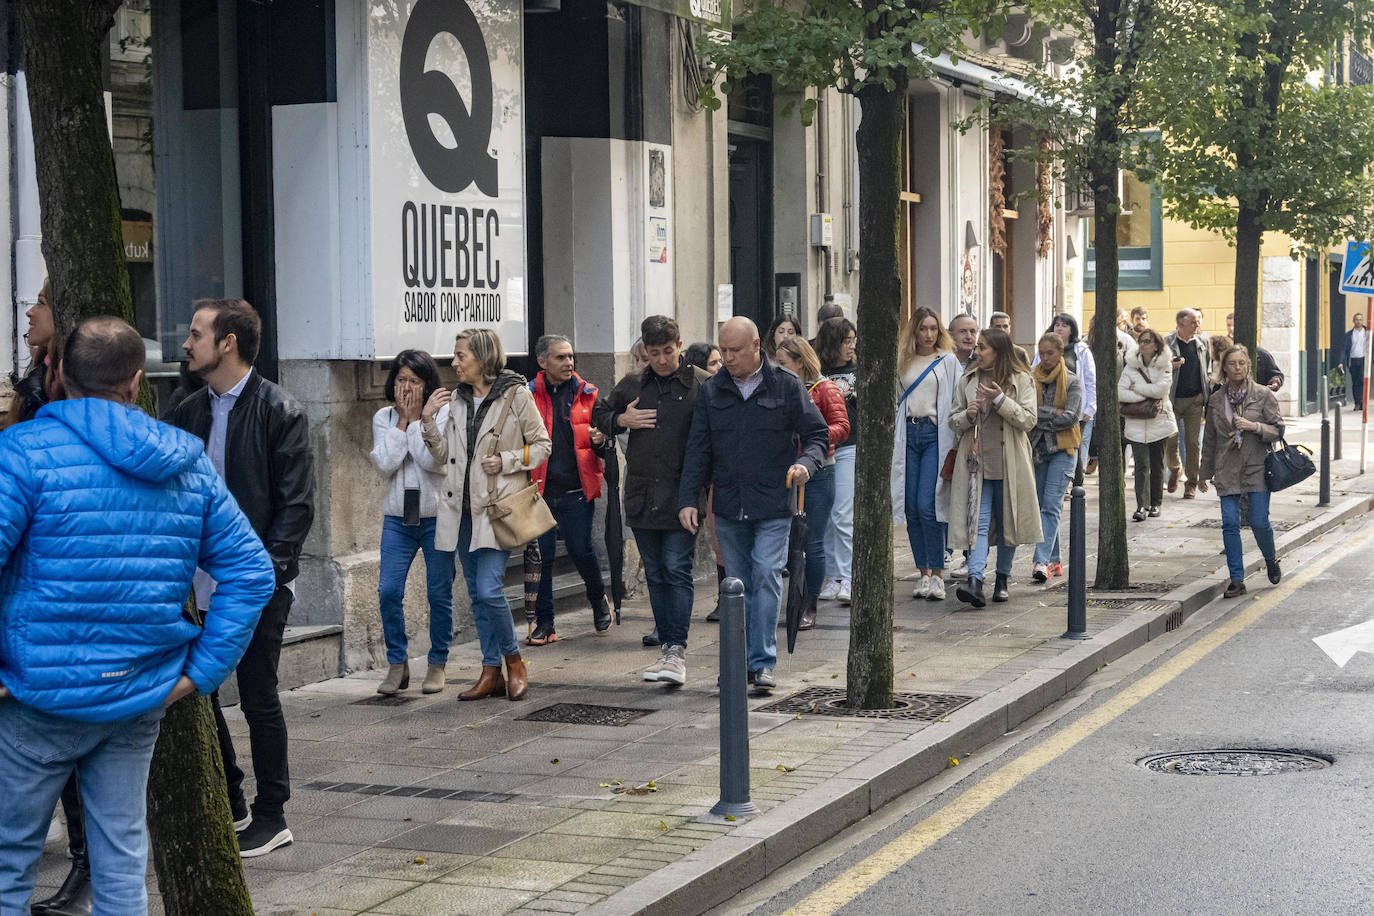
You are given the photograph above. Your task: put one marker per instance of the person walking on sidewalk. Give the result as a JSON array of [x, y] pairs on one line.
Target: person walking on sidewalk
[[928, 372], [655, 406], [1243, 422], [786, 326], [1191, 364], [796, 356], [963, 331], [835, 347], [706, 356], [570, 481], [408, 519], [1002, 322], [1079, 357], [1353, 350], [1146, 378], [258, 439], [104, 515], [746, 428], [1054, 442], [992, 495], [493, 439]]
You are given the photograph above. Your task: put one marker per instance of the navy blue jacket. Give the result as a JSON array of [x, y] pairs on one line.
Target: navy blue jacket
[[744, 448]]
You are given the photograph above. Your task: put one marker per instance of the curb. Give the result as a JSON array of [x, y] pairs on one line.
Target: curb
[[760, 846]]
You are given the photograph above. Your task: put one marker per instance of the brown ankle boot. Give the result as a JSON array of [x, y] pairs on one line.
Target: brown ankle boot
[[490, 684], [808, 618], [517, 681]]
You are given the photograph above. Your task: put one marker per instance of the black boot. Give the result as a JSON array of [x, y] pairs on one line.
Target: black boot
[[651, 638], [73, 898], [973, 594], [714, 616], [999, 589]]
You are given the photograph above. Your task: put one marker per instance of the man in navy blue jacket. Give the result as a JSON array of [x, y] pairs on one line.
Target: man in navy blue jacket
[[104, 515], [755, 434]]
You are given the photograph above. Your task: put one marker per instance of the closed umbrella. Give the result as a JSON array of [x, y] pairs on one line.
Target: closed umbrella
[[796, 569], [615, 531]]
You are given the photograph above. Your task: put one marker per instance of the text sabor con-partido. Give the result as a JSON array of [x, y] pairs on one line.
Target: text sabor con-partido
[[450, 248]]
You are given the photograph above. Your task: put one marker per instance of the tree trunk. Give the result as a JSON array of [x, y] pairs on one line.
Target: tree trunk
[[191, 831], [879, 146], [83, 244], [1249, 236], [195, 851]]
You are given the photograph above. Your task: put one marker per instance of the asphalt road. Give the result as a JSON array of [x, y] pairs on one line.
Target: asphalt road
[[1060, 818]]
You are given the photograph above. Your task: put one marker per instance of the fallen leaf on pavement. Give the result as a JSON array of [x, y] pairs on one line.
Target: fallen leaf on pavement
[[953, 762], [419, 860]]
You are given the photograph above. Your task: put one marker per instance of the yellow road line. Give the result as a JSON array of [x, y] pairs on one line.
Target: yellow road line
[[843, 889]]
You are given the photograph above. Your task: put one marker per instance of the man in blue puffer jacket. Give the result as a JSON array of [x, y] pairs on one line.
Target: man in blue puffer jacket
[[105, 514]]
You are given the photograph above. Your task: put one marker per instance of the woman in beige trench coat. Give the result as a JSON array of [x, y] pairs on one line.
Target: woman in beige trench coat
[[992, 494], [493, 439]]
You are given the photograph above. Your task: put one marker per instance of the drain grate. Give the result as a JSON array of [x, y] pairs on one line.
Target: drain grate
[[362, 788], [1111, 602], [1235, 762], [587, 714], [829, 701], [396, 699], [1216, 523]]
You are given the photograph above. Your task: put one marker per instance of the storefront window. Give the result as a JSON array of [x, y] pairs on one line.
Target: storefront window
[[1137, 236]]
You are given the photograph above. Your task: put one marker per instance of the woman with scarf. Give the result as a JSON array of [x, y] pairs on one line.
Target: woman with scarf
[[1054, 442], [1147, 376], [1243, 422], [992, 493]]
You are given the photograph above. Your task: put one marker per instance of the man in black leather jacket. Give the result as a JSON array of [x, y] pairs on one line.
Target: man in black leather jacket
[[257, 436]]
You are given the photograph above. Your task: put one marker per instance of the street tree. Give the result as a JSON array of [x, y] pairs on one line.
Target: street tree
[[195, 852], [1256, 145], [864, 49]]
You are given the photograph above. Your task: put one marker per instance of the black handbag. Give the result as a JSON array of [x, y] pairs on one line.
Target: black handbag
[[1287, 465]]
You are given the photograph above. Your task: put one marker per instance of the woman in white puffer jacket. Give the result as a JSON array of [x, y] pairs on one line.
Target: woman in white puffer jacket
[[1147, 374]]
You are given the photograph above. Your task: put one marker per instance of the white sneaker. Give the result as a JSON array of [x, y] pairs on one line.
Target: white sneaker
[[830, 589], [937, 589], [651, 673], [844, 592], [922, 590], [960, 571]]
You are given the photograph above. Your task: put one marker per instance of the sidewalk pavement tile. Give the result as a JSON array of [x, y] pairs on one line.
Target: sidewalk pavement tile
[[516, 874], [521, 813], [450, 900], [400, 864], [611, 824], [460, 838], [341, 891], [307, 856], [556, 848]]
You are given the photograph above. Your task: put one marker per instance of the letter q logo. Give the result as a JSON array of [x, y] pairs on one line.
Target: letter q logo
[[425, 92]]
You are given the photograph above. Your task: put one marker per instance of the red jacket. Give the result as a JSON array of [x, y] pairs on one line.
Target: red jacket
[[589, 465], [830, 403]]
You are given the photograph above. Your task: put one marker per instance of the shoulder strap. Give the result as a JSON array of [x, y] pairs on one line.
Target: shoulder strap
[[912, 387], [509, 404]]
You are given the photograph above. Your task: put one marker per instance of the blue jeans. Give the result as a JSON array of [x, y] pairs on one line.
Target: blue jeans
[[1051, 480], [1230, 530], [990, 507], [400, 543], [573, 512], [484, 569], [925, 533], [820, 496], [37, 754], [839, 534], [1084, 447], [755, 553], [667, 557]]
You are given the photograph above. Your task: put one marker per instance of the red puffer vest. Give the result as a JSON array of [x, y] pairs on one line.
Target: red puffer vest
[[589, 465]]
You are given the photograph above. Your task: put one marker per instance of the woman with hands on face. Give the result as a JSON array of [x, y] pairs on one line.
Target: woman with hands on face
[[409, 509], [993, 495]]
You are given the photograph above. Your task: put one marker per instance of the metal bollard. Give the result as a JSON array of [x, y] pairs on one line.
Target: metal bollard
[[1324, 489], [1336, 451], [1078, 567], [734, 710]]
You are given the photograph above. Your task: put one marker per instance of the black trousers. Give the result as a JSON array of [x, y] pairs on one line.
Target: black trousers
[[1149, 473], [1355, 382], [257, 680]]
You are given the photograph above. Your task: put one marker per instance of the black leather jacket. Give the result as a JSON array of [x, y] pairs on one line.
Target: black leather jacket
[[268, 465]]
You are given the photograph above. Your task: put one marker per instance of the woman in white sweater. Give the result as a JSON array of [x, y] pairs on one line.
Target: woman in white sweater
[[409, 511], [1145, 382]]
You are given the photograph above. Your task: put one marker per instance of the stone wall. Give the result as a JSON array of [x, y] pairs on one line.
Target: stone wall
[[1280, 306]]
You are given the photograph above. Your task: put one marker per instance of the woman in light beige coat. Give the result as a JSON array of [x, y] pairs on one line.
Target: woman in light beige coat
[[493, 438], [994, 408]]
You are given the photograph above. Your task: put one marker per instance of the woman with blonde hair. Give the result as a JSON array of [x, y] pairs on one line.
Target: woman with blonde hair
[[493, 438], [1054, 441], [928, 372], [993, 488], [796, 356]]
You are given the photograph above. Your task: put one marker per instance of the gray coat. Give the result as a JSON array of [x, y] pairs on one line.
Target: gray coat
[[1240, 470]]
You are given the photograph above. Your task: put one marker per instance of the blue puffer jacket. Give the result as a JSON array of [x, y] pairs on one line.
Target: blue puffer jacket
[[104, 515]]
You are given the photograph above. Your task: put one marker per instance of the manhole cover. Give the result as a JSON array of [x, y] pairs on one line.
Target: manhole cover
[[829, 701], [1234, 762], [1216, 523], [586, 714]]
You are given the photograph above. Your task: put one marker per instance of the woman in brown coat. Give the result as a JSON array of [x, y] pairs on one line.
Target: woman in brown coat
[[1243, 422]]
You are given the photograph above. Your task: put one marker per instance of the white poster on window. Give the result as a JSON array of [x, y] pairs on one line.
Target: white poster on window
[[447, 172]]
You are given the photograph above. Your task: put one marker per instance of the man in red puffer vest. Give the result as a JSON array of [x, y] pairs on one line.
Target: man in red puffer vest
[[570, 480]]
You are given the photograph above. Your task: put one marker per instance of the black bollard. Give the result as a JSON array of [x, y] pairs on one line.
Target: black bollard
[[1078, 567], [1324, 490], [1336, 451], [734, 710]]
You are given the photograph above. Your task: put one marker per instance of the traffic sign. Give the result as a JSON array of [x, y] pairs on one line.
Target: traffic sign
[[1357, 274]]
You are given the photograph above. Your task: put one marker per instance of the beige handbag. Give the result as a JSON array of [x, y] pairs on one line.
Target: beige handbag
[[520, 517]]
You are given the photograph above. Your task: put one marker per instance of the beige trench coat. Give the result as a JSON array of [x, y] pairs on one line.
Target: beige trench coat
[[1020, 503], [1240, 470], [521, 425]]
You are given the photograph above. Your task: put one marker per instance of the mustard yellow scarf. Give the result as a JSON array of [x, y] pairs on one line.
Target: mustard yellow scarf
[[1068, 439]]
